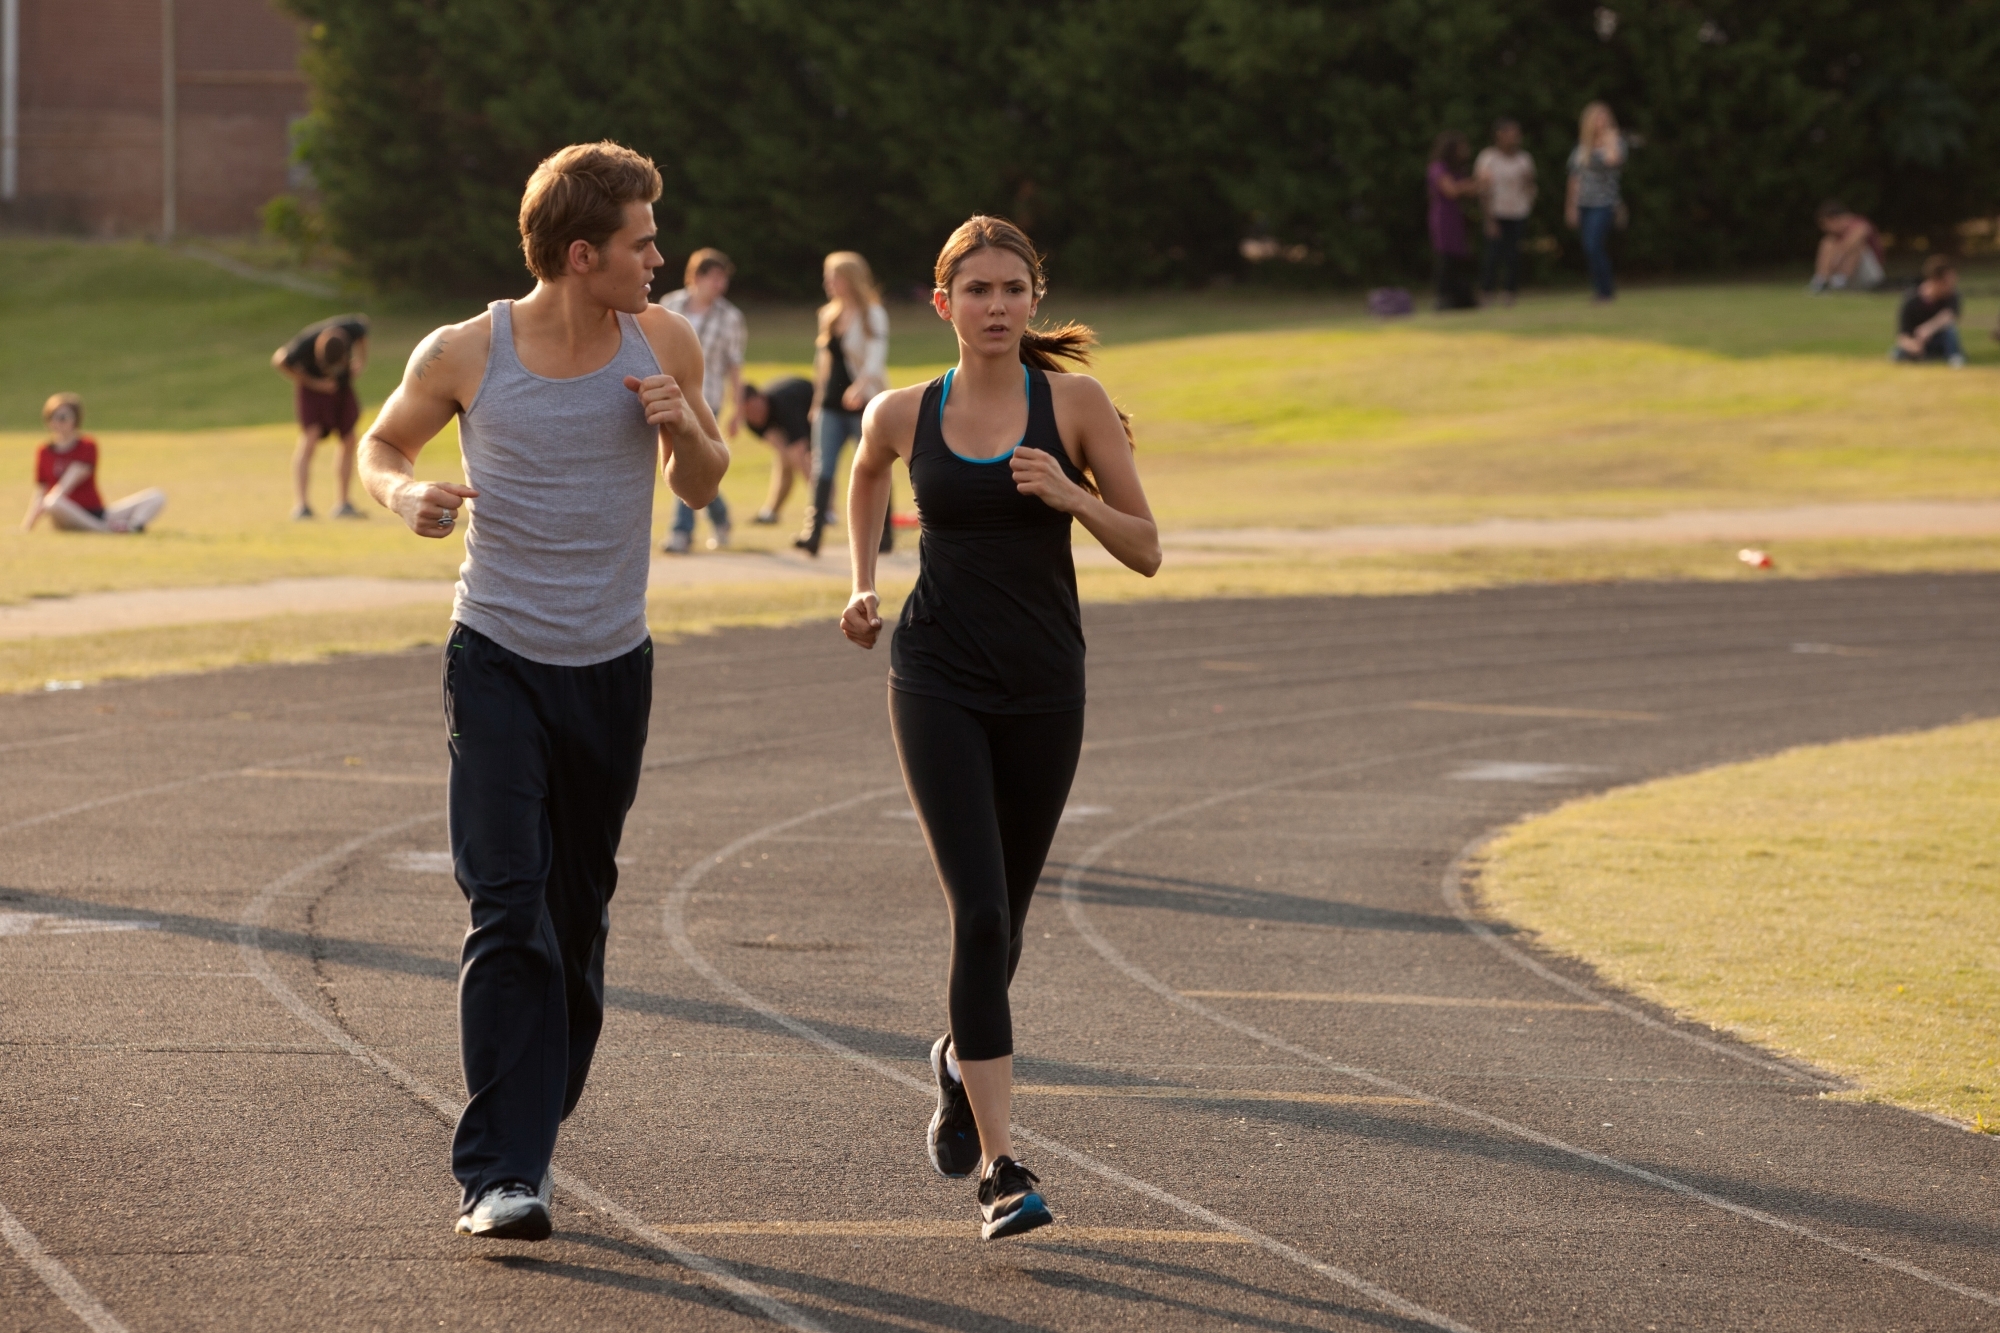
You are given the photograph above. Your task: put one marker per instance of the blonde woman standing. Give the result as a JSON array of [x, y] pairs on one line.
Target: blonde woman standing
[[1592, 204], [850, 367]]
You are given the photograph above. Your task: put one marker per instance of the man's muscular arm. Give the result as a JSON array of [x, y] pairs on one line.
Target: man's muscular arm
[[692, 453], [443, 373]]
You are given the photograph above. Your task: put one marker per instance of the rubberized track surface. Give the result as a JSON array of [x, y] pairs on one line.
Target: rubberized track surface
[[1271, 1078]]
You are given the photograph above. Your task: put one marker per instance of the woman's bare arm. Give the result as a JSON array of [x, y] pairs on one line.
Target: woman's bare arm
[[888, 431]]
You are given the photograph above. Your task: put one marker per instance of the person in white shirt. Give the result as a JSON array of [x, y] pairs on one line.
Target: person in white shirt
[[1506, 177], [719, 327]]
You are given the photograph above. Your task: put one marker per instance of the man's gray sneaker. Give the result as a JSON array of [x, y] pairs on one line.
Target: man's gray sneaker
[[511, 1211]]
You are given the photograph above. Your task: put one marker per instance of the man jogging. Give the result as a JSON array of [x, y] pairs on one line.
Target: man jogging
[[567, 400]]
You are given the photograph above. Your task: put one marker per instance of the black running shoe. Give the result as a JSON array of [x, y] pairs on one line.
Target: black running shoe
[[1009, 1203], [954, 1136]]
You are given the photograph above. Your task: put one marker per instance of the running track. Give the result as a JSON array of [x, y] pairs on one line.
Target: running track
[[1273, 1080]]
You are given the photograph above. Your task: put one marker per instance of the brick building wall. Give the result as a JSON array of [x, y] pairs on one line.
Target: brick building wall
[[90, 113]]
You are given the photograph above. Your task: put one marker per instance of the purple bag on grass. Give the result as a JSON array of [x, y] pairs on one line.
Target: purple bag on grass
[[1389, 302]]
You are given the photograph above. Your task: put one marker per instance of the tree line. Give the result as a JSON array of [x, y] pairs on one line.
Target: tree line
[[1141, 142]]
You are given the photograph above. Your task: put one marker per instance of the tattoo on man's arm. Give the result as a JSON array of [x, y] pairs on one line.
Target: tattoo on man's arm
[[437, 350]]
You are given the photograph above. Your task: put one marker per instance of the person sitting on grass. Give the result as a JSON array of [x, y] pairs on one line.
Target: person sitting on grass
[[1927, 325], [1850, 251], [66, 479], [322, 360], [781, 412]]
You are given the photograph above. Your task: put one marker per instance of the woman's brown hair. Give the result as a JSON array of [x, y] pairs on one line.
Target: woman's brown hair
[[1041, 349]]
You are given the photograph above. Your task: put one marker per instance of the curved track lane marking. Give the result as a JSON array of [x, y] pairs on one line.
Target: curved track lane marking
[[253, 957], [56, 1277], [1080, 919], [674, 921]]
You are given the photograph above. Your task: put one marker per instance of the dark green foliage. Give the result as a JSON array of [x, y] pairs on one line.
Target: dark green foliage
[[1139, 140]]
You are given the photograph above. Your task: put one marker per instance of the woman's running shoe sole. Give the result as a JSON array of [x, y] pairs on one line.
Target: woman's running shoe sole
[[1031, 1214]]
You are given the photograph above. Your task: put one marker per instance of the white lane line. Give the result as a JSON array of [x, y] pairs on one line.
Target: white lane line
[[674, 921], [215, 775], [253, 956], [1454, 897], [1080, 919], [56, 1277]]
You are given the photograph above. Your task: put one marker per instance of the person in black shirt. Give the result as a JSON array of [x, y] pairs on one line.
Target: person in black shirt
[[321, 361], [1927, 324], [781, 412], [986, 667]]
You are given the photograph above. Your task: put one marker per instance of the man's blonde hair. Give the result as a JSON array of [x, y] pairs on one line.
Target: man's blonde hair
[[579, 194]]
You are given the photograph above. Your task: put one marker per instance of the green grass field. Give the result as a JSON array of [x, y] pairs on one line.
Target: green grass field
[[1839, 903], [1252, 410]]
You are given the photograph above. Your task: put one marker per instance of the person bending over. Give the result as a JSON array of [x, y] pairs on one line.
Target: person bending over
[[569, 402], [1850, 251], [719, 326], [986, 667], [1927, 324], [322, 360], [781, 413], [66, 479]]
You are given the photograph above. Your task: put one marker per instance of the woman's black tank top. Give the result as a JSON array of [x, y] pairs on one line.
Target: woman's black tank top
[[839, 379], [992, 624]]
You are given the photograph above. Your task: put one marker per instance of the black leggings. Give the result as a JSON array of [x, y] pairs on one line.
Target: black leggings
[[989, 789]]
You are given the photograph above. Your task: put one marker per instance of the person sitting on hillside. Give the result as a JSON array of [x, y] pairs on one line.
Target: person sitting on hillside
[[66, 479], [1850, 251], [781, 412], [1927, 325], [322, 360]]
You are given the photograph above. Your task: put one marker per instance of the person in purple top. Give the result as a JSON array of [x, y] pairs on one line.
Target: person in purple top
[[1447, 181]]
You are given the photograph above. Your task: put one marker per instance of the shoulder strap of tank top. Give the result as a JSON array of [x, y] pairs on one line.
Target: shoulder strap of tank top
[[1043, 433], [503, 338], [930, 415]]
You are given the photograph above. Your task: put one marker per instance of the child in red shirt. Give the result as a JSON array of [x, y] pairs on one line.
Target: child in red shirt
[[66, 479]]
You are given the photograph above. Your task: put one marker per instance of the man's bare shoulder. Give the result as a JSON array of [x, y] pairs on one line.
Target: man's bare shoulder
[[670, 335], [448, 356]]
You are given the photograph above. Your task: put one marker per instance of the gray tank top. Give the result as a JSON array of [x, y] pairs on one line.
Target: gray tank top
[[559, 540]]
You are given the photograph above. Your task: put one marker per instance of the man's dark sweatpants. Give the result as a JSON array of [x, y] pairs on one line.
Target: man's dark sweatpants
[[544, 765]]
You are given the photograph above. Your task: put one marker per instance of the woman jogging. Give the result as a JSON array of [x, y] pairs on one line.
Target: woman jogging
[[1592, 204], [986, 666], [850, 367]]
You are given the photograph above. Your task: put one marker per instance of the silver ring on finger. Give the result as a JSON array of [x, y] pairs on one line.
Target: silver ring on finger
[[445, 519]]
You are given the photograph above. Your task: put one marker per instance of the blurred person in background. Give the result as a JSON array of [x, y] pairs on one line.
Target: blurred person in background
[[1927, 324], [781, 413], [718, 325], [1506, 179], [322, 360], [1592, 204], [1850, 251], [1447, 184], [66, 479], [850, 367]]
